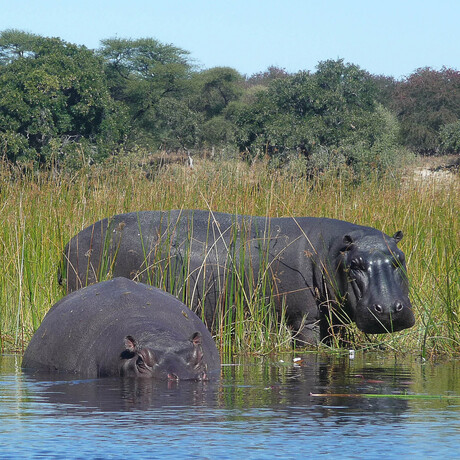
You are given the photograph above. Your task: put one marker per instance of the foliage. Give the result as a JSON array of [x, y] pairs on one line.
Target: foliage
[[385, 88], [63, 105], [143, 74], [54, 94], [214, 89], [425, 102], [324, 109], [16, 44], [449, 135], [330, 116], [264, 78], [177, 125], [218, 131]]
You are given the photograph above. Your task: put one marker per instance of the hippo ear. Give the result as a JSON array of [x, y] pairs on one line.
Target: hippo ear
[[196, 338], [398, 236], [348, 240], [130, 343]]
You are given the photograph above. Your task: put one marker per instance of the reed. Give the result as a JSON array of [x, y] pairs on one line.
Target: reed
[[40, 212]]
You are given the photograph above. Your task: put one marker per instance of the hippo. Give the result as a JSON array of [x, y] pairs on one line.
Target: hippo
[[323, 272], [121, 327]]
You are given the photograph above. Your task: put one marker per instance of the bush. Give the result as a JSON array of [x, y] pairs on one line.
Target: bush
[[450, 138]]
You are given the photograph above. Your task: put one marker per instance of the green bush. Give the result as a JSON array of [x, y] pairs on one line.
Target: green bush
[[450, 138]]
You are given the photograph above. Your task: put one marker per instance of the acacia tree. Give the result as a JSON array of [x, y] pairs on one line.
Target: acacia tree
[[214, 89], [53, 95], [425, 102], [142, 74], [17, 44]]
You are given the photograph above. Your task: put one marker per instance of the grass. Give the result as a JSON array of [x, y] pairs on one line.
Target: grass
[[379, 395], [40, 212]]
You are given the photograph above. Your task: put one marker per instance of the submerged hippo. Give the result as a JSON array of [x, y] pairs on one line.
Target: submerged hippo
[[120, 327], [324, 271]]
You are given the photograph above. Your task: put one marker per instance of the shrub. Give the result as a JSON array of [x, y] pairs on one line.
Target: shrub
[[450, 138]]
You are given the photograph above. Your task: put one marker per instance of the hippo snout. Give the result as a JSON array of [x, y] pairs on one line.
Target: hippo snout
[[397, 307], [380, 318]]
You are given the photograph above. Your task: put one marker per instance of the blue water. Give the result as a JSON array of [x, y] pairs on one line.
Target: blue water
[[259, 409]]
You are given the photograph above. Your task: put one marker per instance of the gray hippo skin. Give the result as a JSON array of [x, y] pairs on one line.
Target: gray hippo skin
[[325, 271], [120, 327]]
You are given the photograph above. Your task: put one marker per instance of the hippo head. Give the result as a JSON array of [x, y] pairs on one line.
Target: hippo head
[[182, 362], [377, 286]]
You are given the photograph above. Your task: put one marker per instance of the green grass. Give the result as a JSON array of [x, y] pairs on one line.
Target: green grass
[[40, 212]]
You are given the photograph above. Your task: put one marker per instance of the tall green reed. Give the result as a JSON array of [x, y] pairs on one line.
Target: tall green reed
[[39, 212], [229, 289]]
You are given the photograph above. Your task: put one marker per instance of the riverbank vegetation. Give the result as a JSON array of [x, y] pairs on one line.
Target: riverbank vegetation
[[62, 104], [85, 134], [40, 211]]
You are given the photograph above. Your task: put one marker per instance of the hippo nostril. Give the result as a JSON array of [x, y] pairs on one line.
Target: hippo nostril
[[378, 309], [398, 307], [172, 376]]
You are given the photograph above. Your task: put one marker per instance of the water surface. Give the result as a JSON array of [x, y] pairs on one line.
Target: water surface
[[261, 408]]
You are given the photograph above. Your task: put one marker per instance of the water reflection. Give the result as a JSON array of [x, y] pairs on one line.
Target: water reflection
[[263, 406], [256, 383], [289, 386], [116, 394]]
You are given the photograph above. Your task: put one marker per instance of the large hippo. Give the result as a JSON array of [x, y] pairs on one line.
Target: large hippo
[[120, 327], [324, 271]]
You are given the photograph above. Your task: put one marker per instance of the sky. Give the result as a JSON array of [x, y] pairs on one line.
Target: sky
[[391, 37]]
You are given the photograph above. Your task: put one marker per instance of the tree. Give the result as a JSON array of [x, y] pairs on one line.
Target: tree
[[179, 127], [141, 74], [330, 116], [249, 119], [330, 107], [53, 90], [212, 91], [344, 96], [215, 88], [266, 77], [425, 102], [17, 44], [385, 89]]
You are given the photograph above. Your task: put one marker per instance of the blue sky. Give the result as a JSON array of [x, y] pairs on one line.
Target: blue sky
[[391, 37]]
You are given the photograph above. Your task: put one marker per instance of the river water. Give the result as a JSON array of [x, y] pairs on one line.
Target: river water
[[368, 406]]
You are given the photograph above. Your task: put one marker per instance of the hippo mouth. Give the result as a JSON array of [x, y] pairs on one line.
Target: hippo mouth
[[375, 321], [381, 328]]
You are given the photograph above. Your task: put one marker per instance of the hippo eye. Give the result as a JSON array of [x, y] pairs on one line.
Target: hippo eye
[[140, 362], [145, 359], [398, 260], [396, 263]]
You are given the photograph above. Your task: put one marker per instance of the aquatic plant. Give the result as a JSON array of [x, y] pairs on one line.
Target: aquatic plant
[[41, 211]]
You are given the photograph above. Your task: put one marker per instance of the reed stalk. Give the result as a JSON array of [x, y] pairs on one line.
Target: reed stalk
[[41, 211]]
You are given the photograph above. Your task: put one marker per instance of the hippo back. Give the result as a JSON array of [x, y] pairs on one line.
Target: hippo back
[[84, 332]]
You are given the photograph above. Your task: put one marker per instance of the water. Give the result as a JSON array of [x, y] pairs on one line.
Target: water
[[260, 409]]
